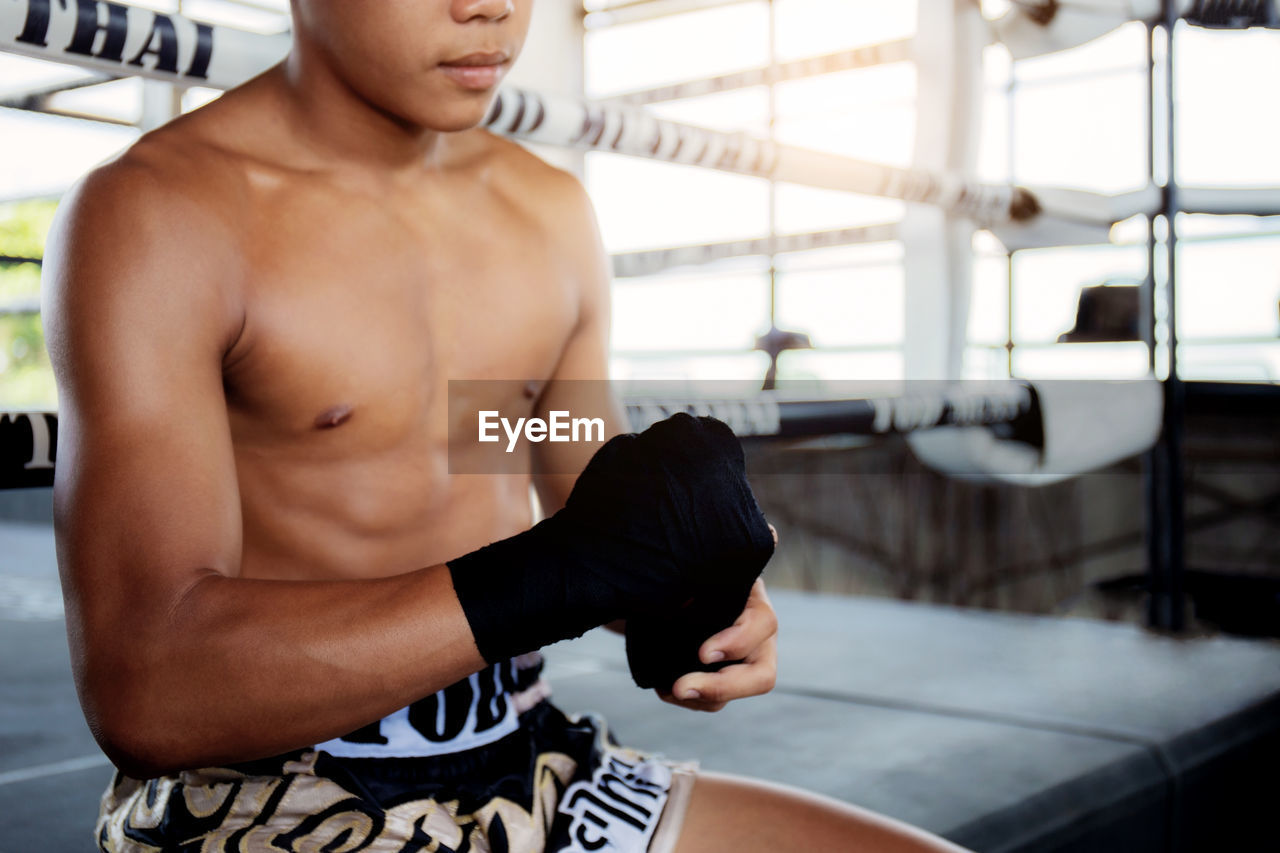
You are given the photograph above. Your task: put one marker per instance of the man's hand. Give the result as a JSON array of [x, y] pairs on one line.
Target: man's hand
[[753, 639], [654, 519]]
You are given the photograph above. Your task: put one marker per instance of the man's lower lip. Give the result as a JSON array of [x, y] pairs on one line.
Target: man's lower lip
[[474, 76]]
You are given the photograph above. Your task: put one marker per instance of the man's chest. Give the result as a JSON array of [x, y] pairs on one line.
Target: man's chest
[[365, 315]]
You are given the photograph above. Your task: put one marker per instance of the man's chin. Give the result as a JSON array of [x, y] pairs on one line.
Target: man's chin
[[460, 116], [456, 126]]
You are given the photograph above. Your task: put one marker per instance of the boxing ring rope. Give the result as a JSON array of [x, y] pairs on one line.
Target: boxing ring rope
[[28, 440], [652, 262], [116, 39], [576, 124], [1028, 433], [845, 60], [177, 49]]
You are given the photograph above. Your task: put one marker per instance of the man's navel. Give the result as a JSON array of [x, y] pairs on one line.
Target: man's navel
[[334, 416]]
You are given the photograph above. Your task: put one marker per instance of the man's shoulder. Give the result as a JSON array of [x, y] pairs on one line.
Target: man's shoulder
[[168, 177], [190, 160], [152, 212], [544, 189], [557, 205]]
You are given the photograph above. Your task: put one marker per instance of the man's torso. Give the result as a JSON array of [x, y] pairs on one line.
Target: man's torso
[[362, 296]]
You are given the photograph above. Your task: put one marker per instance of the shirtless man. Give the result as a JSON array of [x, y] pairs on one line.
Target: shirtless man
[[254, 313]]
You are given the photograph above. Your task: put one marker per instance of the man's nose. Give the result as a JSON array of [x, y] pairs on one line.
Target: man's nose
[[470, 10]]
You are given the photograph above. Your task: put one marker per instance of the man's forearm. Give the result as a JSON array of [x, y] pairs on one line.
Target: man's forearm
[[244, 669]]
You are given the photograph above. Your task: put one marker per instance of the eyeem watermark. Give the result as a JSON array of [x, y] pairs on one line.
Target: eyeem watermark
[[559, 427]]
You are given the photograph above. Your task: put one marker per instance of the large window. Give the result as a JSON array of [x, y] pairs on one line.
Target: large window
[[1077, 119]]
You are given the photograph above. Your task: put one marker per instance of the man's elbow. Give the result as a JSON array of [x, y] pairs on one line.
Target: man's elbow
[[136, 750], [138, 730], [136, 761], [136, 687]]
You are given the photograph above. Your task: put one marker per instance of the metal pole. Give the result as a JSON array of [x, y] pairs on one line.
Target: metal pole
[[1010, 106], [1164, 478]]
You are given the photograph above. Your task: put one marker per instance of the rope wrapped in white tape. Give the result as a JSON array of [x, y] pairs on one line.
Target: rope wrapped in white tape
[[1087, 426], [122, 40]]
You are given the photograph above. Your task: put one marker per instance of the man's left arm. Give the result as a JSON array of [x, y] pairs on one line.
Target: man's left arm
[[580, 386]]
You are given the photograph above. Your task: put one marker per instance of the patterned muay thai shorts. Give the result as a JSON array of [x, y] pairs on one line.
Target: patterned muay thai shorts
[[487, 765]]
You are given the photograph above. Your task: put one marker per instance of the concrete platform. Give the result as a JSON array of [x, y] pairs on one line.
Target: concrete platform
[[1004, 732], [1000, 731]]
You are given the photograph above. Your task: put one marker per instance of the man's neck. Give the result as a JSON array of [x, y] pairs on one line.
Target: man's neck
[[335, 121]]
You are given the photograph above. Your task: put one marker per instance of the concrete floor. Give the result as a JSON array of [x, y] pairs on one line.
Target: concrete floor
[[51, 771], [1004, 732]]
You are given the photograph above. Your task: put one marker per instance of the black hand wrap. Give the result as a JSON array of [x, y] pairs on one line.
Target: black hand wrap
[[663, 645], [656, 520]]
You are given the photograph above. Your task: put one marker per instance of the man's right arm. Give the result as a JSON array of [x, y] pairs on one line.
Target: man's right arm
[[179, 661]]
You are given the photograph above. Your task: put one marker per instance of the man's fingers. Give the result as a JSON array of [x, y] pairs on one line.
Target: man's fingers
[[752, 640], [692, 705], [735, 682], [752, 629], [754, 677]]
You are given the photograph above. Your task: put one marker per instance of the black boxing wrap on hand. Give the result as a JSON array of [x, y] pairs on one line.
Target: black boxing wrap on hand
[[654, 521], [664, 645]]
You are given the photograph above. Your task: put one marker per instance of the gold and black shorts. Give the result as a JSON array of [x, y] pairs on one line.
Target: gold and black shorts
[[544, 781]]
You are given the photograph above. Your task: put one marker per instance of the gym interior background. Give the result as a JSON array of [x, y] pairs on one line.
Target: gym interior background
[[1146, 132]]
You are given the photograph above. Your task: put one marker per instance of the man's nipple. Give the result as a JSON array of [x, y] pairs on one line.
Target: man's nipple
[[334, 416]]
